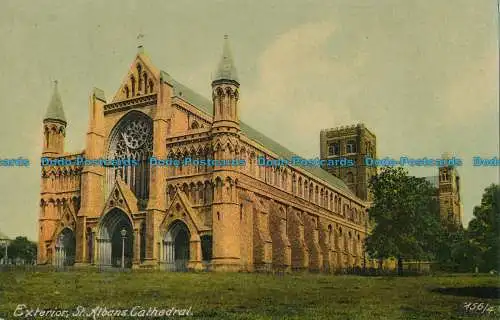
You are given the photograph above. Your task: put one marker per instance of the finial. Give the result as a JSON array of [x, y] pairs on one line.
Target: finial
[[140, 48]]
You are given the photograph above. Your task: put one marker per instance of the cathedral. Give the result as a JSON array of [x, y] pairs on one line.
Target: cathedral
[[132, 213]]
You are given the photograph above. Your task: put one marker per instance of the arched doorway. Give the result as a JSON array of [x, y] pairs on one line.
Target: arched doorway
[[176, 247], [206, 251], [116, 238], [65, 248]]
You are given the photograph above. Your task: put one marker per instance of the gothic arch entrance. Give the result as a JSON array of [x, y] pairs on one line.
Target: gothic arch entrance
[[176, 247], [65, 248], [111, 242], [206, 251]]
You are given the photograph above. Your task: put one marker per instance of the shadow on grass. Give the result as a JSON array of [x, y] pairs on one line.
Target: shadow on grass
[[477, 292]]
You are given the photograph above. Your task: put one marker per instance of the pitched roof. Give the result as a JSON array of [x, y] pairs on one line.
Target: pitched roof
[[206, 105], [55, 109]]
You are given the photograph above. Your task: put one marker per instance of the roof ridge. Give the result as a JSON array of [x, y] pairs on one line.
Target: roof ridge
[[203, 104]]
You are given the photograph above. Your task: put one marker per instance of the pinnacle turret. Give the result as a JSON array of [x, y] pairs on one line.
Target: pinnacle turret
[[226, 69], [55, 110]]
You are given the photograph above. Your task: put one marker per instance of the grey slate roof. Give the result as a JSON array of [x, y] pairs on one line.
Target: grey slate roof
[[55, 110], [99, 94], [206, 105]]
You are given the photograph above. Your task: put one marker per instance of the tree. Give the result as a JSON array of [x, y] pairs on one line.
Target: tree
[[405, 215], [484, 230], [454, 251], [22, 248]]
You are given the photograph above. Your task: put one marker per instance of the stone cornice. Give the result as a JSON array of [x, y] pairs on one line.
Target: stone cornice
[[195, 135], [135, 102], [189, 178], [63, 194]]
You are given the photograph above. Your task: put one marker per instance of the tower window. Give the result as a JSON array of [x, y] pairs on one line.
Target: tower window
[[47, 137], [334, 149], [351, 146], [368, 149], [444, 176], [349, 177]]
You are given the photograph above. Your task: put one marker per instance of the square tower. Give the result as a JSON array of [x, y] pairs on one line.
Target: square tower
[[450, 204], [355, 143]]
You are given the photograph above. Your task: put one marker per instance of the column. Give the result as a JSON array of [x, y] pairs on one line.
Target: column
[[137, 249]]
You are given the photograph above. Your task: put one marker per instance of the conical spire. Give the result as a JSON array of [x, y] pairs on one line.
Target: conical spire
[[226, 69], [55, 110]]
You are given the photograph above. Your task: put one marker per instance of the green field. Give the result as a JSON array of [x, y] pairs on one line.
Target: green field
[[252, 296]]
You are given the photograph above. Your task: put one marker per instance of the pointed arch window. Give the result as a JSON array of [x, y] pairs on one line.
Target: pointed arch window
[[229, 96], [284, 180], [151, 86], [132, 85], [301, 193], [330, 235], [139, 80], [47, 137], [145, 77], [131, 140], [349, 177]]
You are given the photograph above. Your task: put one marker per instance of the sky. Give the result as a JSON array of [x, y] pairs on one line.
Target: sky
[[422, 75]]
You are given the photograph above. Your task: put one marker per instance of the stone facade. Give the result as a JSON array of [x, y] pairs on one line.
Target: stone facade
[[447, 184], [450, 203], [235, 218], [354, 143]]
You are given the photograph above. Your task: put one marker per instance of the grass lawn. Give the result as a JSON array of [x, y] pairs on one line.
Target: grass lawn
[[252, 296]]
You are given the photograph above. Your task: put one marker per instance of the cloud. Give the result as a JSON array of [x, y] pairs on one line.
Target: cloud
[[298, 87]]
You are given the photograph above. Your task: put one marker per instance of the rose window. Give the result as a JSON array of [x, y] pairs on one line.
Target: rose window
[[132, 139], [136, 134]]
